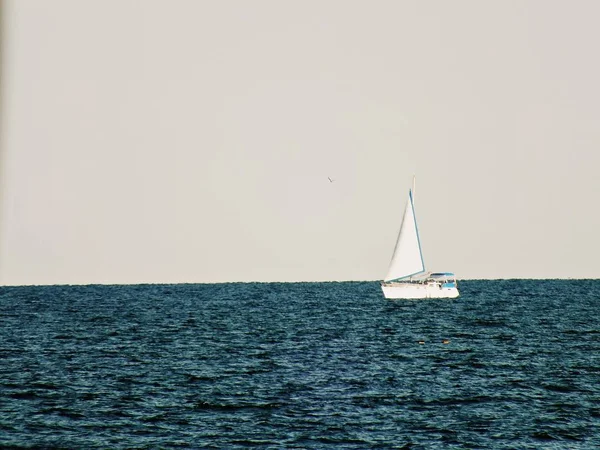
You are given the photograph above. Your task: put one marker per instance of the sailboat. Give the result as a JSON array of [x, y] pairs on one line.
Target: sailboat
[[407, 277]]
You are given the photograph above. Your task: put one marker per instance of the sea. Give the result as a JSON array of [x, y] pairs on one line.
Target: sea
[[510, 364]]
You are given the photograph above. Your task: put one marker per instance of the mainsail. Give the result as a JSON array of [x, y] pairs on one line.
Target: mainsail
[[407, 259]]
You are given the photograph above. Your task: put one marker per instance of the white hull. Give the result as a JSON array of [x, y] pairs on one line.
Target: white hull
[[417, 291]]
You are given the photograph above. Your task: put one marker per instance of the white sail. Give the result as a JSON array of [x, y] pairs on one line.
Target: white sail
[[407, 259]]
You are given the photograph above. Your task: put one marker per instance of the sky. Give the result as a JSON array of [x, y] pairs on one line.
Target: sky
[[171, 141]]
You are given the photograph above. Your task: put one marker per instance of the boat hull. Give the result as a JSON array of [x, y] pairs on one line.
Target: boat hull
[[416, 291]]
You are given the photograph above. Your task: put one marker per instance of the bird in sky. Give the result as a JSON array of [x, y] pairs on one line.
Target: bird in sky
[[330, 180]]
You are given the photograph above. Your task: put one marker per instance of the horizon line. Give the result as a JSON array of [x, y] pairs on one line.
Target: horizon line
[[278, 282]]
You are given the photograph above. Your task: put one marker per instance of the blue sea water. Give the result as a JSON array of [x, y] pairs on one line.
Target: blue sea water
[[511, 364]]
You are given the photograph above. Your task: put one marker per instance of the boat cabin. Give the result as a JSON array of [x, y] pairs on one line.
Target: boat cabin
[[446, 279]]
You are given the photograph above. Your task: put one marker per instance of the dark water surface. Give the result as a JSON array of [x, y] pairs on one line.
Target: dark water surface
[[301, 365]]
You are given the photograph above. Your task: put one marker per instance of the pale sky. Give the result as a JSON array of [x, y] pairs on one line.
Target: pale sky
[[190, 141]]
